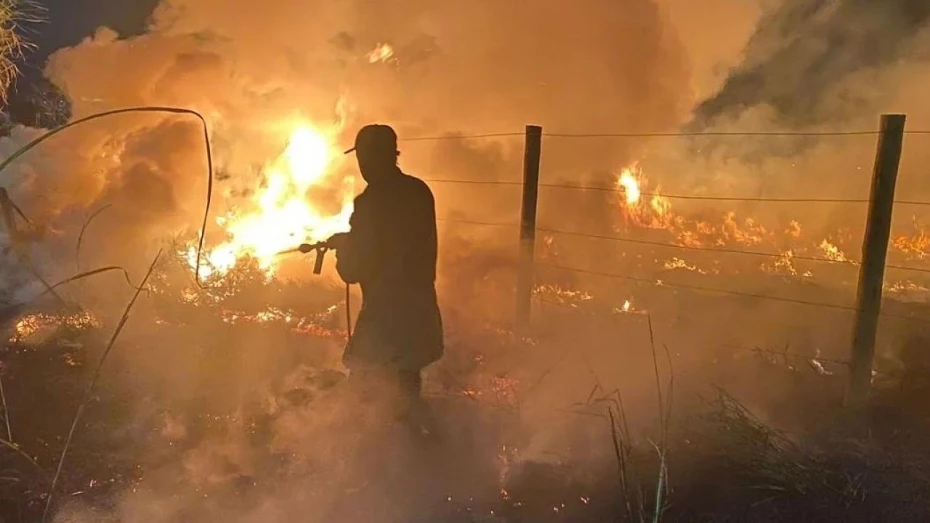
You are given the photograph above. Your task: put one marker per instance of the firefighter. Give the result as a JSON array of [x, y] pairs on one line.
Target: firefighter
[[390, 251]]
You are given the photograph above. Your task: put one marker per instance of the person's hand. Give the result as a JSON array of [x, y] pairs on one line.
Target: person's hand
[[337, 241]]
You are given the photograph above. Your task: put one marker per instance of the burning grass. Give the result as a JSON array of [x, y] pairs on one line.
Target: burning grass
[[273, 442], [235, 390], [230, 384]]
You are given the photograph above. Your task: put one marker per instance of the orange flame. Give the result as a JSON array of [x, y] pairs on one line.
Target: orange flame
[[281, 215], [381, 53]]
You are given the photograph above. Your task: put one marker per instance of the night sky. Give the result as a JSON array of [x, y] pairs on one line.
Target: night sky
[[69, 21], [32, 100]]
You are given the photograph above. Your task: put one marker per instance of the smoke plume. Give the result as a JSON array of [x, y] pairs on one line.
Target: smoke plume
[[477, 67], [803, 50]]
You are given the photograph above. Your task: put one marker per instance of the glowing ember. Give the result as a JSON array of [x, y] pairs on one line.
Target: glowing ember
[[32, 325], [287, 210], [678, 263], [907, 290], [315, 325], [626, 307], [381, 53], [561, 295]]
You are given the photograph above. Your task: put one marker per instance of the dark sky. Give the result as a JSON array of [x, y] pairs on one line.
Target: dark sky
[[72, 20], [32, 100]]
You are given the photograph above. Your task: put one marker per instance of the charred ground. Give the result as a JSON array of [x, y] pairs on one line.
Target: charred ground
[[245, 405]]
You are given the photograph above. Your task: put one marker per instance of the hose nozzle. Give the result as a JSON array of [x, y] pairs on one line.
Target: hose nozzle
[[320, 249]]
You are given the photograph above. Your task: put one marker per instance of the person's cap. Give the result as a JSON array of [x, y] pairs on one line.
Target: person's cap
[[375, 137]]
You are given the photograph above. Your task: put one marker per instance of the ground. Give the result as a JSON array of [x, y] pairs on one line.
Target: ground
[[206, 411]]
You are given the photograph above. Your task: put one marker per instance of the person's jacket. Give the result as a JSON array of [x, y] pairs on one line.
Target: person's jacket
[[391, 253]]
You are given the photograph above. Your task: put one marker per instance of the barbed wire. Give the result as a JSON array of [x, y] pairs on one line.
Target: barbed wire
[[660, 283], [754, 349], [674, 134], [698, 288], [459, 137], [723, 250], [719, 250], [786, 354], [669, 134], [475, 222], [672, 196]]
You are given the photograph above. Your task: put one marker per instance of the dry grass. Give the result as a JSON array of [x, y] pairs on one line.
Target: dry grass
[[15, 16]]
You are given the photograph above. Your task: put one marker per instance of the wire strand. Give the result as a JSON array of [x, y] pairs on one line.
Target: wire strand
[[669, 134], [721, 250], [697, 287], [726, 292], [473, 222], [674, 196], [714, 134], [459, 137]]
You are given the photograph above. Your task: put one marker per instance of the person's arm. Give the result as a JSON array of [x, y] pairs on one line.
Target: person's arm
[[358, 255]]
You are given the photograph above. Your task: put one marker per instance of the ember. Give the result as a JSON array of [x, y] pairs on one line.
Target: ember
[[36, 325]]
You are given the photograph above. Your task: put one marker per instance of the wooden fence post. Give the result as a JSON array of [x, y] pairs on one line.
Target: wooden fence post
[[874, 253], [526, 277]]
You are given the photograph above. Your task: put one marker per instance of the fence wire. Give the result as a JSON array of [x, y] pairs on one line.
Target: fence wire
[[617, 189]]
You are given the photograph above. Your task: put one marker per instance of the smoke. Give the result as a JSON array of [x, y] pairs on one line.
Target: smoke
[[253, 69], [804, 51], [480, 67]]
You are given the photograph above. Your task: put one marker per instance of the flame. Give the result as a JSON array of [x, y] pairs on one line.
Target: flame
[[656, 214], [788, 247], [381, 53], [288, 209], [914, 246], [832, 252], [625, 308], [630, 186]]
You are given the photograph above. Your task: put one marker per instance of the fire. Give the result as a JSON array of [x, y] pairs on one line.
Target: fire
[[561, 295], [655, 214], [32, 325], [630, 186], [289, 207], [832, 252], [381, 53], [914, 246], [678, 263], [626, 307]]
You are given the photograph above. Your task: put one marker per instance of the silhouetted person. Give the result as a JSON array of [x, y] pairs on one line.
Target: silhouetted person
[[390, 252]]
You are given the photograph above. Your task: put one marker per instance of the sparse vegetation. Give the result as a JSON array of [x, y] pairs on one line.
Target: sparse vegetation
[[15, 17], [238, 437]]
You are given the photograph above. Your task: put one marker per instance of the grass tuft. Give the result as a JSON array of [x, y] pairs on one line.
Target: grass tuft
[[15, 18]]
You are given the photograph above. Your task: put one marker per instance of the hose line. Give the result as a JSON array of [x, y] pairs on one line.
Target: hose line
[[348, 315]]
